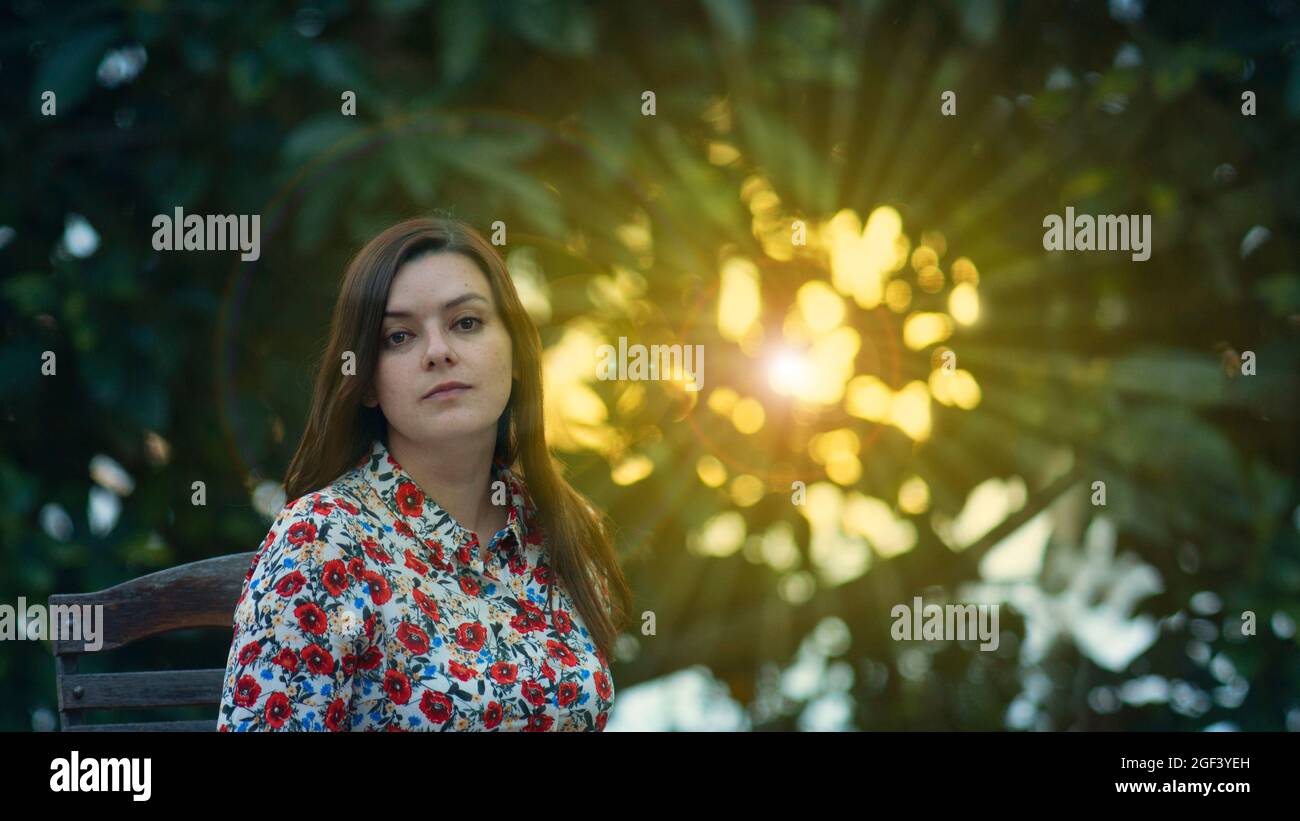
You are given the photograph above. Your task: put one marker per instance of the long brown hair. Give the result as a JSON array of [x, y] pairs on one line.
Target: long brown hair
[[340, 428]]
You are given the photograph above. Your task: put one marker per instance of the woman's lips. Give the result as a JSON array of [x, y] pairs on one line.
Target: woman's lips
[[447, 393]]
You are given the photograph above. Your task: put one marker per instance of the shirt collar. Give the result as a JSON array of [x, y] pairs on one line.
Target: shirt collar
[[407, 502]]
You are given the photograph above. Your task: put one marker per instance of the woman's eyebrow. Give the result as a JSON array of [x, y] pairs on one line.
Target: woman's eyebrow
[[449, 304]]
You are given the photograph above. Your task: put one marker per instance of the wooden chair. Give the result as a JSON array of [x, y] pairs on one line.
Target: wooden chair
[[198, 594]]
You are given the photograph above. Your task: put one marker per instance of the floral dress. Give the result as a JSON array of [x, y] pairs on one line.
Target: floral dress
[[368, 607]]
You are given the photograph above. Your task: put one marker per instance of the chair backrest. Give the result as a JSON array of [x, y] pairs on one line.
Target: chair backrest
[[198, 594]]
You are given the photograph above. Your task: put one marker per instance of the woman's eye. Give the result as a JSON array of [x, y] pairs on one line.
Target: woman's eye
[[396, 333], [460, 323]]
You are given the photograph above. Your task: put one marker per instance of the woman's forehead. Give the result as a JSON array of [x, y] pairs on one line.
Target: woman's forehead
[[428, 283]]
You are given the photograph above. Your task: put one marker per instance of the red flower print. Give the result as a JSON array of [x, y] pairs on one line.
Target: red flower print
[[471, 636], [290, 584], [600, 721], [539, 723], [287, 660], [415, 639], [348, 506], [277, 710], [410, 499], [397, 686], [311, 618], [529, 618], [533, 693], [461, 672], [375, 552], [335, 715], [415, 564], [427, 605], [561, 653], [335, 577], [379, 590], [371, 585], [503, 672], [318, 659], [602, 684], [435, 548], [436, 707], [246, 691], [302, 532], [568, 693]]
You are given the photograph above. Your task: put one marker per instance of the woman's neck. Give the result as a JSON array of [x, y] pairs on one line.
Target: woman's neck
[[456, 475]]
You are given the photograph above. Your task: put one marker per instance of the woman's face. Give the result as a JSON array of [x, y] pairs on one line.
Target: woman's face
[[441, 324]]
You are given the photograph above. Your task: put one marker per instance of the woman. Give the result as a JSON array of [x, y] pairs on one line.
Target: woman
[[371, 606]]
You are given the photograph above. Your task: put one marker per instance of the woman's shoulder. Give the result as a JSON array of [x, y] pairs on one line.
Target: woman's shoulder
[[325, 514], [340, 498], [332, 501]]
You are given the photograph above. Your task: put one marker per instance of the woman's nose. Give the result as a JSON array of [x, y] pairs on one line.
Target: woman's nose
[[439, 350]]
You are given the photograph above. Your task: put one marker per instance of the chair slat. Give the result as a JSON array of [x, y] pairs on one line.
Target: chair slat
[[198, 594], [149, 727], [152, 688]]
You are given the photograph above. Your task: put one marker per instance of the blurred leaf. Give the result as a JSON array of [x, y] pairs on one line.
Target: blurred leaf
[[980, 19], [563, 27], [395, 8], [316, 138], [68, 69], [1175, 376], [342, 68], [462, 30], [1281, 292], [417, 168], [317, 207], [1171, 444], [1292, 100], [249, 79], [31, 293], [734, 18]]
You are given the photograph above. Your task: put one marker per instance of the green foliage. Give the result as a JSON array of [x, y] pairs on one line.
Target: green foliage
[[530, 112]]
